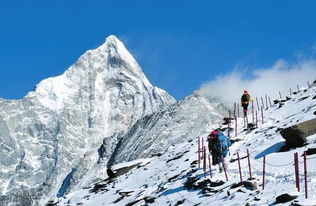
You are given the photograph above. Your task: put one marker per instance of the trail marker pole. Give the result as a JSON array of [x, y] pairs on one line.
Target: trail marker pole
[[235, 109], [262, 102], [264, 172], [204, 162], [199, 157], [270, 101], [280, 95], [210, 165], [298, 88], [266, 101], [297, 177], [236, 126], [308, 84], [239, 167], [229, 124], [249, 165], [257, 103], [305, 175], [253, 113], [202, 151], [238, 109], [256, 119], [262, 114], [290, 91]]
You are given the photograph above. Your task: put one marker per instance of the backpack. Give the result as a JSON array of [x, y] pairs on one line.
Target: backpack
[[245, 98], [222, 144]]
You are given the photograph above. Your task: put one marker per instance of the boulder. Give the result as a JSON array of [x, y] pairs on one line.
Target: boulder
[[284, 198], [295, 136]]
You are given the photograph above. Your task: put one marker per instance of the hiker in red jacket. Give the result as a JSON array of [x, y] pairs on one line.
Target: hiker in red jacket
[[244, 100]]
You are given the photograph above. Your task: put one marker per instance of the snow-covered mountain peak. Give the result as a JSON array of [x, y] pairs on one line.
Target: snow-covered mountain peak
[[108, 66], [56, 130]]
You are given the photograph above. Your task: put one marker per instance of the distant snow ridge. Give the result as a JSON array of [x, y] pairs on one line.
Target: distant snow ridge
[[60, 126], [181, 122]]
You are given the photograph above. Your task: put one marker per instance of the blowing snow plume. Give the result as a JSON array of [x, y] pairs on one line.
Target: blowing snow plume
[[279, 77]]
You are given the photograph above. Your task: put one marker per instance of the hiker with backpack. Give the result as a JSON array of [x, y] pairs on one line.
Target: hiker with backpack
[[218, 145], [244, 100]]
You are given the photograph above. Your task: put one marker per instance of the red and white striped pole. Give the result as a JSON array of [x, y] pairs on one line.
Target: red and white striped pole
[[264, 172], [305, 175], [249, 165], [239, 167]]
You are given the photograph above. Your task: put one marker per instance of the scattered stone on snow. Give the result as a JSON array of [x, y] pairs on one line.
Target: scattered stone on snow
[[284, 198]]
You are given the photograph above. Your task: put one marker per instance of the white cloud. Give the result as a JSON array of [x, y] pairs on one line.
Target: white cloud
[[281, 76]]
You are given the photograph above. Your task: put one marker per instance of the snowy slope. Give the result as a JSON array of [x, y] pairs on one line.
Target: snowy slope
[[155, 133], [58, 127], [174, 177]]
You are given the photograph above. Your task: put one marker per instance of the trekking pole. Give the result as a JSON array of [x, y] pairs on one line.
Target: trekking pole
[[262, 114], [210, 165], [257, 103], [266, 101], [297, 178], [238, 109], [244, 120], [239, 167], [256, 119], [305, 175], [264, 172], [249, 165], [199, 157]]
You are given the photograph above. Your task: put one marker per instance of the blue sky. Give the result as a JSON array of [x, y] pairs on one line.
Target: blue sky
[[179, 44]]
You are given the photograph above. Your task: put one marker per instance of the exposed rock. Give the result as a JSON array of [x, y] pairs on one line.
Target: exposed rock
[[311, 151], [284, 198], [295, 135], [247, 184], [180, 202]]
